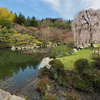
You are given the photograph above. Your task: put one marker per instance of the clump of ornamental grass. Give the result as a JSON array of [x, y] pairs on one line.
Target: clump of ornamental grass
[[49, 96], [42, 84]]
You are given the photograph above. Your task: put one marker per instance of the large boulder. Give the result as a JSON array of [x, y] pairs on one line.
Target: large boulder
[[4, 95], [13, 48], [16, 98], [45, 62], [7, 96], [75, 50]]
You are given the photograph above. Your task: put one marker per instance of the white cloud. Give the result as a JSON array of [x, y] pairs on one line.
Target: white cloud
[[55, 4], [68, 8], [65, 9]]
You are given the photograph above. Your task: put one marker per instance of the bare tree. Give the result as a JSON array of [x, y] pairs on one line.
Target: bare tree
[[86, 27], [44, 35], [56, 34]]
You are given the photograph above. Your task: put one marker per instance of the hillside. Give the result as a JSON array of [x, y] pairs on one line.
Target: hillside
[[44, 32]]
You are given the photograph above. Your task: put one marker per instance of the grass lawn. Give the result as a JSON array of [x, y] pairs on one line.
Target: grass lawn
[[69, 61]]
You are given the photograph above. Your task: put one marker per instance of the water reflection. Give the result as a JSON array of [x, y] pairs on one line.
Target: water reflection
[[12, 62], [20, 67]]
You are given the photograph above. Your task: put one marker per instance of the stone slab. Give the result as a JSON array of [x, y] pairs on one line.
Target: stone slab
[[45, 62], [13, 97], [4, 95], [7, 96]]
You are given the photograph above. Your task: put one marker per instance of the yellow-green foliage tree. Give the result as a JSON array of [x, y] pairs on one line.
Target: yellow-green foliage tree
[[5, 33], [22, 39], [6, 18]]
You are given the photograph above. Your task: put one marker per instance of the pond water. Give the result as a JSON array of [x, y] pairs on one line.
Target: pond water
[[17, 68]]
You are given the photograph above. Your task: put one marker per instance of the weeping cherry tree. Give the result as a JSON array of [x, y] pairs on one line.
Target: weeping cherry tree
[[86, 27]]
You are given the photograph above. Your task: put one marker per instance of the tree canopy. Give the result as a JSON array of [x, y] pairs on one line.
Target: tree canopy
[[6, 18], [86, 27]]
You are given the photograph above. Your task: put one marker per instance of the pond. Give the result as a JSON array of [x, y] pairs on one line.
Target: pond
[[17, 68]]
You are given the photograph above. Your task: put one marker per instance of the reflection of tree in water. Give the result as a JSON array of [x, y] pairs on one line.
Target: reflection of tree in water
[[12, 62]]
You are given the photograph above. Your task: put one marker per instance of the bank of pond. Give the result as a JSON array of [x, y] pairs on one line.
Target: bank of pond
[[83, 80], [17, 68], [79, 71]]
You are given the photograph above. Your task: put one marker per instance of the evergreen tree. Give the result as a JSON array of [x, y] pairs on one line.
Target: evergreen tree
[[34, 22], [21, 19], [27, 21]]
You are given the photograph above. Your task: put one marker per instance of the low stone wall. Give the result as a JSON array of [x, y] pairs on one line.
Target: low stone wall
[[7, 96]]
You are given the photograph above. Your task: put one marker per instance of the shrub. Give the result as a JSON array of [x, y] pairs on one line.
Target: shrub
[[80, 64], [72, 96], [69, 80], [93, 76], [12, 31], [63, 81], [45, 72], [96, 62], [52, 56], [48, 97], [63, 72], [42, 84], [62, 50], [83, 85], [70, 44], [56, 64]]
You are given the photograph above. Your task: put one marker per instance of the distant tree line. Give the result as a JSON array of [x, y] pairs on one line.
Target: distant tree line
[[48, 22], [56, 23], [20, 19]]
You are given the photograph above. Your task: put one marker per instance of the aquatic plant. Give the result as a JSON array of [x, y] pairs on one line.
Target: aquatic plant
[[6, 84]]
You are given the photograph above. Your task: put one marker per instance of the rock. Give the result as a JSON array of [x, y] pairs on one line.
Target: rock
[[37, 47], [26, 48], [19, 48], [85, 46], [75, 50], [32, 47], [4, 95], [95, 45], [34, 44], [45, 62], [13, 48], [16, 98], [29, 47], [23, 48], [7, 96], [88, 45], [81, 47]]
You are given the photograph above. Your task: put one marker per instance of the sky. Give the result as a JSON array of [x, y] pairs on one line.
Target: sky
[[41, 9]]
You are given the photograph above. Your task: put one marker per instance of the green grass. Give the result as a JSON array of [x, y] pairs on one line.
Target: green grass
[[69, 61]]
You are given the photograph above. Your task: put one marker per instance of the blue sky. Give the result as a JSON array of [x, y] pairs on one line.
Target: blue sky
[[65, 9]]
